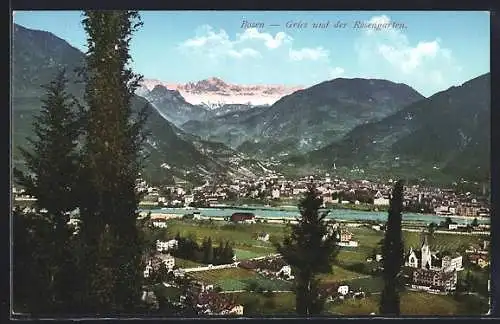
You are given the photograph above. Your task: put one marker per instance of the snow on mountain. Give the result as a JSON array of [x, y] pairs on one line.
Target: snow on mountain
[[214, 92]]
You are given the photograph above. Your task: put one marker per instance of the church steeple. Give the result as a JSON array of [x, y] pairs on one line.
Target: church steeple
[[424, 240], [425, 254]]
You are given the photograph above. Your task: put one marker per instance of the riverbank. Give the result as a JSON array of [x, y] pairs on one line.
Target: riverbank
[[277, 215]]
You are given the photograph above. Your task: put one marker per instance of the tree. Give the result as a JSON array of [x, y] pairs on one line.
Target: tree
[[112, 159], [208, 251], [474, 223], [308, 253], [228, 253], [393, 254], [219, 253], [51, 177]]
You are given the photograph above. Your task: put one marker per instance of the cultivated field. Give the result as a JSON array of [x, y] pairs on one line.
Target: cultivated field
[[235, 279], [414, 303]]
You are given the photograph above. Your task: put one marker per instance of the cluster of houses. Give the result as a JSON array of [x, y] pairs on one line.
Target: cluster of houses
[[154, 263], [206, 301], [338, 291], [432, 271], [343, 235], [274, 267], [479, 255], [213, 303]]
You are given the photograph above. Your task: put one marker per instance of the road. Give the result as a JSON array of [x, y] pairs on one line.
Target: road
[[227, 266], [447, 232]]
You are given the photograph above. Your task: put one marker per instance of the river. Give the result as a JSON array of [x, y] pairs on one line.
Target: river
[[339, 214]]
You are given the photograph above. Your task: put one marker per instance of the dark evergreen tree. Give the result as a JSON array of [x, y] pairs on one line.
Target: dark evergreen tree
[[393, 254], [112, 263], [51, 177], [219, 254], [309, 252], [228, 253], [204, 248], [210, 251]]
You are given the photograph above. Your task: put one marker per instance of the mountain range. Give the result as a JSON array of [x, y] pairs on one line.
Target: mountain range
[[209, 127], [446, 135], [213, 92], [39, 55], [307, 119]]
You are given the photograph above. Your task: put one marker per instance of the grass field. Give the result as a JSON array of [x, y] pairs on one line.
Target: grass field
[[171, 293], [242, 235], [183, 263], [441, 242], [257, 304], [213, 276], [340, 275], [368, 240], [414, 303], [245, 254], [239, 279], [368, 284]]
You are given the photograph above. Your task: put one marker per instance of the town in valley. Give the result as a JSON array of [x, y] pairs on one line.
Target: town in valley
[[195, 164]]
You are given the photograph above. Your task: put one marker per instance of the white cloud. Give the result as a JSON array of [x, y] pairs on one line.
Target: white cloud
[[336, 72], [216, 44], [250, 52], [426, 63], [251, 43], [313, 54], [254, 51], [269, 40]]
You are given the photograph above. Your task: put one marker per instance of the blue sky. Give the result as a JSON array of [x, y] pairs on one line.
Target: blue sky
[[430, 51]]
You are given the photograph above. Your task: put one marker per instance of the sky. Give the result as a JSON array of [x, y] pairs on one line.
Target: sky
[[428, 50]]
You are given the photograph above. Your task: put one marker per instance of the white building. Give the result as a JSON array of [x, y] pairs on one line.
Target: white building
[[235, 310], [286, 271], [159, 223], [263, 237], [188, 199], [169, 261], [343, 290], [275, 194], [381, 201], [164, 246], [426, 259], [452, 226]]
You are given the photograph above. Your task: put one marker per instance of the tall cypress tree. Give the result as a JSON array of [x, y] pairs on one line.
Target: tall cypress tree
[[393, 254], [308, 253], [111, 165], [51, 177]]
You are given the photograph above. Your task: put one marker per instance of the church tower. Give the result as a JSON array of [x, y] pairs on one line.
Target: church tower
[[426, 254]]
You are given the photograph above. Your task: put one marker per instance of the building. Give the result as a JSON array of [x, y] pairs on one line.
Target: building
[[165, 246], [154, 263], [285, 271], [211, 303], [426, 259], [345, 236], [243, 217], [263, 237], [188, 200], [381, 201], [275, 194], [481, 260], [159, 223], [343, 290], [433, 280]]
